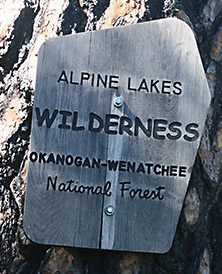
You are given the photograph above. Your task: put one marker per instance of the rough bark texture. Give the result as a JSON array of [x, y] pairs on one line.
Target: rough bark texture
[[24, 26]]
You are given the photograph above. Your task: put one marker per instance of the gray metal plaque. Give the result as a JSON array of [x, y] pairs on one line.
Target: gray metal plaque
[[117, 121]]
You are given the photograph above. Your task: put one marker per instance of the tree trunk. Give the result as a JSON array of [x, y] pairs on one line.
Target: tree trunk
[[24, 26]]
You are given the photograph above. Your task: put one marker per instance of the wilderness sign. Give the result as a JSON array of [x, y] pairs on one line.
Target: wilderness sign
[[117, 121]]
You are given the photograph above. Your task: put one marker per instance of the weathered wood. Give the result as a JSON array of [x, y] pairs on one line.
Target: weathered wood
[[78, 219]]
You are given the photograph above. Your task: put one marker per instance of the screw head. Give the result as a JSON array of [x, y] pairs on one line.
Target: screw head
[[118, 102], [109, 210]]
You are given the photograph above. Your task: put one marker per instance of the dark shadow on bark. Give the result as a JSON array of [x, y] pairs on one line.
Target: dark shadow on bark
[[215, 235], [156, 9], [100, 8], [21, 35], [193, 8], [73, 18]]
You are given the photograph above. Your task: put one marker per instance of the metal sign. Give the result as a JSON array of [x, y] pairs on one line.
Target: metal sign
[[117, 121]]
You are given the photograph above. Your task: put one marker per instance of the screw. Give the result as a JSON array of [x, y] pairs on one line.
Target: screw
[[118, 102], [109, 210]]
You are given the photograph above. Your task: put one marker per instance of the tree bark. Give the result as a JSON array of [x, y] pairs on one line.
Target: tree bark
[[24, 26]]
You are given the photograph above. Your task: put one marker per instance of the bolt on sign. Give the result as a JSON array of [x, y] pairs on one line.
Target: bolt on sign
[[117, 121]]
